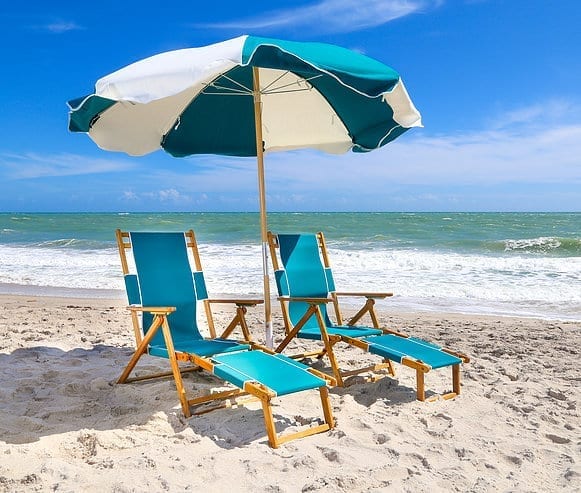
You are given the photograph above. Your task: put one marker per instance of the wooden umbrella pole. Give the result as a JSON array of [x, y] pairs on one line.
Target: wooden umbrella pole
[[262, 200]]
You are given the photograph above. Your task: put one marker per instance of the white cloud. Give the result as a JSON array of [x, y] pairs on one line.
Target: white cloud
[[538, 115], [130, 195], [33, 165], [171, 195], [212, 174], [331, 15], [164, 196], [61, 26]]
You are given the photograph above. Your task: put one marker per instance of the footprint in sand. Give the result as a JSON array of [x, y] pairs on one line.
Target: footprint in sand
[[437, 424], [557, 438], [75, 389], [330, 454]]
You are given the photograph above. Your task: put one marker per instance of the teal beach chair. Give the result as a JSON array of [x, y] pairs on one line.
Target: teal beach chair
[[163, 296], [305, 286]]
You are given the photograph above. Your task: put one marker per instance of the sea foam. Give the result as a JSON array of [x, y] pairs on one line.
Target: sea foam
[[548, 287]]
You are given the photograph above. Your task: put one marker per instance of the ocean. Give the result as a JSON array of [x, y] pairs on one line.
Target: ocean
[[521, 264]]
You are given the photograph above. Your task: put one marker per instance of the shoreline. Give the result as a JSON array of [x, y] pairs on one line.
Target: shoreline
[[388, 305]]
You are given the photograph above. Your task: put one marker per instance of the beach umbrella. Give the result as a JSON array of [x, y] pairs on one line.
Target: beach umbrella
[[246, 97]]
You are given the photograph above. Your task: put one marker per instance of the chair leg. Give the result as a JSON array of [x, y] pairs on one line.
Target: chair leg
[[367, 308], [275, 440], [269, 422], [238, 320], [160, 321], [241, 313], [335, 365], [326, 403], [421, 390], [391, 368], [455, 383], [456, 379], [141, 349], [328, 343], [291, 334], [175, 369]]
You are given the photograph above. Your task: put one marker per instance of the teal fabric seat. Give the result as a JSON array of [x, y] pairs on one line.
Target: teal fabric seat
[[201, 347], [397, 348], [339, 330], [305, 280], [166, 292], [279, 373]]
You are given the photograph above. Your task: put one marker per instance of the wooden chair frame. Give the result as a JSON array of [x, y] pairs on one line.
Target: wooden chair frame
[[191, 405], [330, 340]]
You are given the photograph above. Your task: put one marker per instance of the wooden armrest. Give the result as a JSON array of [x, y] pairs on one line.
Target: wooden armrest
[[366, 295], [163, 310], [238, 301], [318, 301]]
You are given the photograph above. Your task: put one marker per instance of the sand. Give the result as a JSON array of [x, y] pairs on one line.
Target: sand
[[66, 426]]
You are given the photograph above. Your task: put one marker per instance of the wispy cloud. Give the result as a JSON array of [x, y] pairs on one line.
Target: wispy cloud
[[538, 115], [331, 15], [518, 154], [60, 26], [165, 197], [168, 195], [63, 26], [32, 165]]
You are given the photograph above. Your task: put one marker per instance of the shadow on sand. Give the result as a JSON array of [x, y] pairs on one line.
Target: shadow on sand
[[47, 391]]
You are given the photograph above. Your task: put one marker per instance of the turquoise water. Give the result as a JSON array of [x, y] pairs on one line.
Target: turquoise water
[[503, 263]]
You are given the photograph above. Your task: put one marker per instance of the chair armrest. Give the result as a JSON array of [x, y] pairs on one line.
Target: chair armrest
[[238, 301], [366, 295], [159, 310], [317, 301]]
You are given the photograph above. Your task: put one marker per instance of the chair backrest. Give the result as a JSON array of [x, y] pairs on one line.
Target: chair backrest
[[303, 273], [164, 277]]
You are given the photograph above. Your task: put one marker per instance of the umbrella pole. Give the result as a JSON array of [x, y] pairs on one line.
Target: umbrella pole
[[262, 200]]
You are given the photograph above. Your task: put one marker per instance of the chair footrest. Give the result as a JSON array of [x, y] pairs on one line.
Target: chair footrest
[[278, 373], [397, 348]]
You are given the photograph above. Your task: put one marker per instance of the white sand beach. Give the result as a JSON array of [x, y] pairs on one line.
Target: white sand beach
[[66, 426]]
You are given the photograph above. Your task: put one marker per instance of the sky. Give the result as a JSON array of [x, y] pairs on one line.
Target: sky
[[498, 84]]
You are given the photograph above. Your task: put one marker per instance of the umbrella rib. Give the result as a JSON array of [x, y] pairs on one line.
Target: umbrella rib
[[267, 87], [247, 89], [229, 90], [230, 93], [287, 91], [243, 89], [277, 90]]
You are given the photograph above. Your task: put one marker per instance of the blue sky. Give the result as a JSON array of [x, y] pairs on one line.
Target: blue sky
[[497, 82]]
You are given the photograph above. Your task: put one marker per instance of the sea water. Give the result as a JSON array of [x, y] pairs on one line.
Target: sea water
[[524, 264]]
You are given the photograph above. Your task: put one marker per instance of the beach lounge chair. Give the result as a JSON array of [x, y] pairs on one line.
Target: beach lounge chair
[[163, 295], [305, 286]]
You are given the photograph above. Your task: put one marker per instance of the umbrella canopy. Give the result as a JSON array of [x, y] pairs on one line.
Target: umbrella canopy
[[244, 97]]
